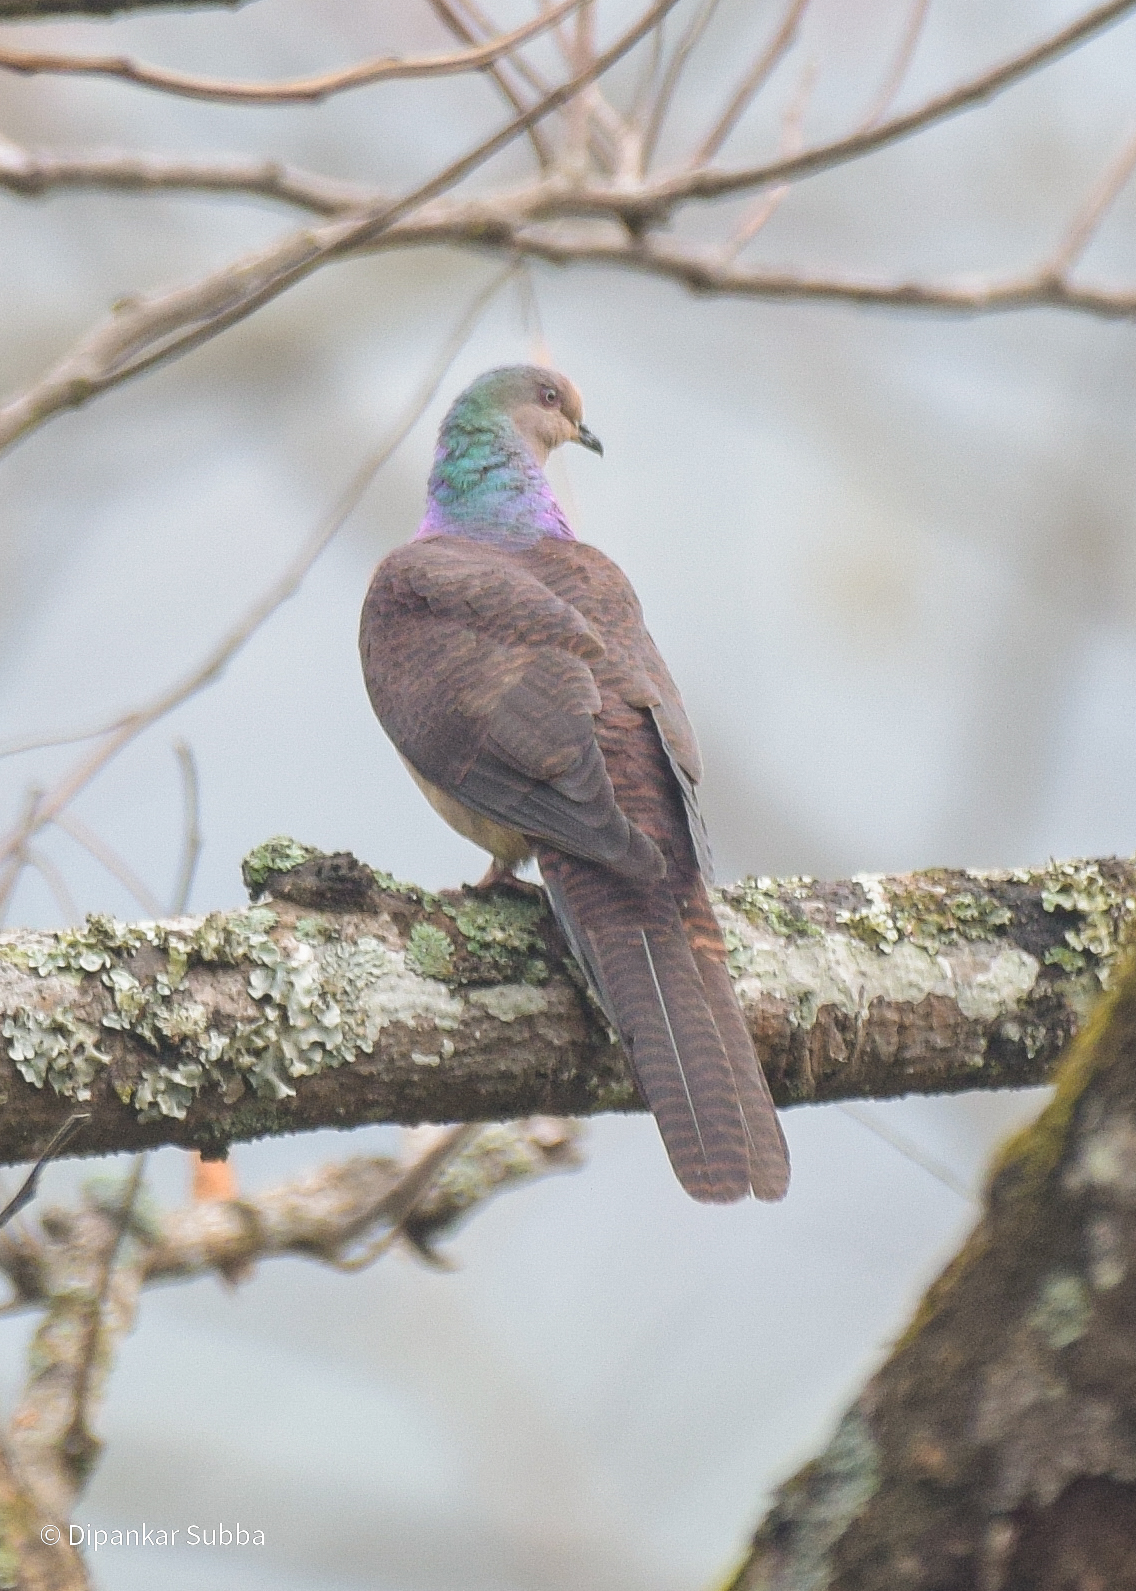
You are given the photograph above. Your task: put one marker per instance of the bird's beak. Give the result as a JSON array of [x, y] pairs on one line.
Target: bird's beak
[[589, 439]]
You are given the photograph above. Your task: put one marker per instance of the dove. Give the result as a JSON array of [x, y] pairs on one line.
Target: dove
[[510, 665]]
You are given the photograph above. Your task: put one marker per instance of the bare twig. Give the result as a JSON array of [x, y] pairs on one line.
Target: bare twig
[[147, 331], [703, 272], [56, 1146], [17, 860], [709, 183], [79, 1446], [1101, 198], [110, 859], [191, 841], [56, 883], [910, 1150], [751, 84], [35, 172], [897, 70], [680, 55], [324, 1211], [49, 806], [791, 139], [385, 69], [457, 25], [409, 1192]]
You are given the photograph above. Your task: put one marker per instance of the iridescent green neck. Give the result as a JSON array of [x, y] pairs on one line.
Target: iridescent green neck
[[486, 484]]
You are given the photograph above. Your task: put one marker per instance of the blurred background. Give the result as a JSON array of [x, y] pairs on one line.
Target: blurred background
[[889, 560]]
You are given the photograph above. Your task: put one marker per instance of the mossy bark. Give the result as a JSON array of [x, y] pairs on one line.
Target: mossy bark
[[345, 997], [996, 1449]]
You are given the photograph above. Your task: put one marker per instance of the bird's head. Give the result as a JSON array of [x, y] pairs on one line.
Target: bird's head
[[545, 408]]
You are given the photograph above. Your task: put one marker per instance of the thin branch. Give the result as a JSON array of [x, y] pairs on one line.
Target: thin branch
[[704, 273], [31, 173], [447, 13], [897, 71], [792, 136], [713, 184], [751, 84], [323, 1212], [55, 1147], [680, 55], [649, 76], [145, 332], [110, 859], [409, 1193], [49, 806], [910, 1150], [1100, 200], [79, 1446], [11, 870], [303, 90], [191, 841], [53, 878]]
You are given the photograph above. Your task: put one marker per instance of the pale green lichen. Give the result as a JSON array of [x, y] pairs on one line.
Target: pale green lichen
[[91, 948], [430, 951], [1064, 1311], [501, 935], [924, 913], [508, 1001], [280, 854], [57, 1048], [317, 1005], [773, 903], [1106, 916], [817, 1507]]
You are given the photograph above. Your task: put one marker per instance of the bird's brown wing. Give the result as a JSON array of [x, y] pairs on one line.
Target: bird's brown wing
[[652, 949], [482, 677]]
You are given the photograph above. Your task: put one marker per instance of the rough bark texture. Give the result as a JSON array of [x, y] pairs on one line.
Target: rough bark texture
[[996, 1449], [347, 998]]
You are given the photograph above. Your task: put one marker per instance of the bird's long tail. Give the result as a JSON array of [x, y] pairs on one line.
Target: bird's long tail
[[661, 978]]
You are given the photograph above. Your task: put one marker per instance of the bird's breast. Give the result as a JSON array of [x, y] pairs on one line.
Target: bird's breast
[[506, 845]]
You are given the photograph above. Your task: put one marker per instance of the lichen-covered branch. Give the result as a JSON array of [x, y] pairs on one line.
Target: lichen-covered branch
[[996, 1449], [345, 997], [28, 1560], [325, 1214], [84, 1268], [92, 1276]]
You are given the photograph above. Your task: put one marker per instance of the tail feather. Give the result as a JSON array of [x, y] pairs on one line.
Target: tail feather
[[768, 1151], [688, 1045]]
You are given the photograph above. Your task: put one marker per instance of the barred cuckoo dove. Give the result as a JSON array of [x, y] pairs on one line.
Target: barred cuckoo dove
[[510, 665]]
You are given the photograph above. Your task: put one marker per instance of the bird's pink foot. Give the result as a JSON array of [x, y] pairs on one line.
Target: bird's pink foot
[[501, 876]]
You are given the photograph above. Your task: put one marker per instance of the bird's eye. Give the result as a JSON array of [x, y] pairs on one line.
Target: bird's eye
[[549, 396]]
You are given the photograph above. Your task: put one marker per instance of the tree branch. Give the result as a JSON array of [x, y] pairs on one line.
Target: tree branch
[[10, 10], [325, 1213], [350, 999], [31, 173], [996, 1447], [708, 183], [309, 90], [144, 332]]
